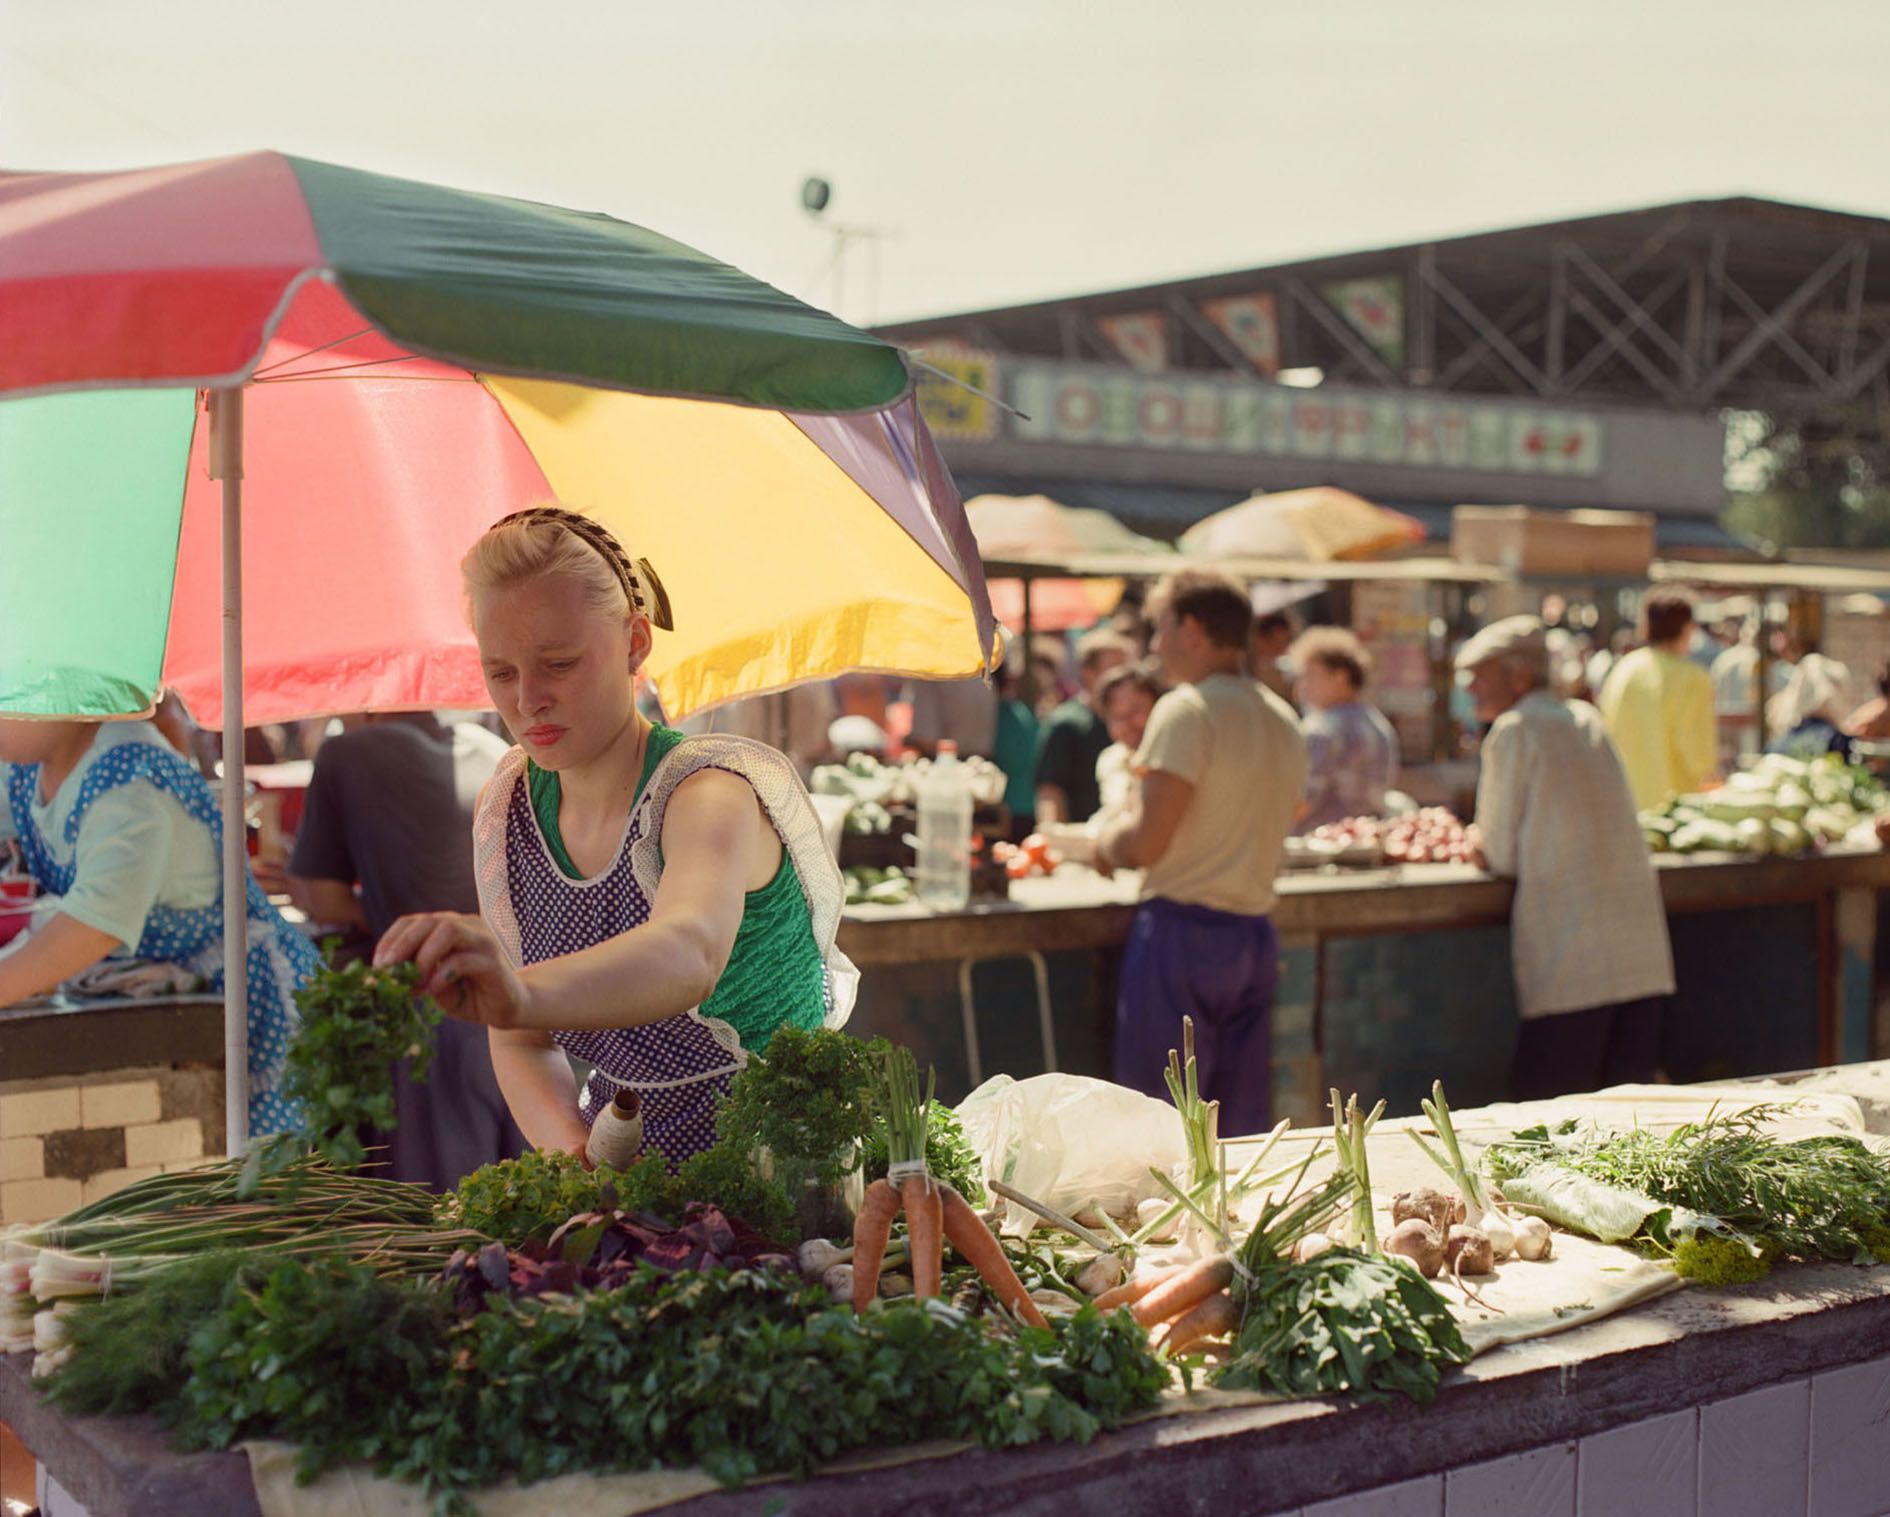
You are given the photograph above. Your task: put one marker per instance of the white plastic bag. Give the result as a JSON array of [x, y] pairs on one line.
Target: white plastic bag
[[1071, 1142]]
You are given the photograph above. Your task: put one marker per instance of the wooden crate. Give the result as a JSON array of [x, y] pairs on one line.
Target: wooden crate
[[1540, 543]]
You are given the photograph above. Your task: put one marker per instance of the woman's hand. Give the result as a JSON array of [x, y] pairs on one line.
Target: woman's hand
[[460, 966]]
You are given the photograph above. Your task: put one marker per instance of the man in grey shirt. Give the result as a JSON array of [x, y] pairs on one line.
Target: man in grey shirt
[[389, 809]]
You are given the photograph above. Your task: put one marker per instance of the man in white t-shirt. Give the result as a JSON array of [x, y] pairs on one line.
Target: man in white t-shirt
[[1220, 772]]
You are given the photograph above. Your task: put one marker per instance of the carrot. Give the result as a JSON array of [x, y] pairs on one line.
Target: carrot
[[872, 1226], [1215, 1317], [1134, 1290], [925, 1220], [972, 1239], [1184, 1292]]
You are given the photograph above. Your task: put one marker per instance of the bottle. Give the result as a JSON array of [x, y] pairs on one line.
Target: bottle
[[617, 1134], [945, 833]]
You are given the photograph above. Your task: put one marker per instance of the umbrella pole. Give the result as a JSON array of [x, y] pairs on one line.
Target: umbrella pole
[[1029, 686], [226, 464]]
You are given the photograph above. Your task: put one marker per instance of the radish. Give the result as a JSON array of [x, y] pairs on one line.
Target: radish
[[1467, 1251], [1428, 1205], [1416, 1240]]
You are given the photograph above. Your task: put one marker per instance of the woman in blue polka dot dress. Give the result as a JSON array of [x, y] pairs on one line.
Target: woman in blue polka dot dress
[[128, 836], [653, 905]]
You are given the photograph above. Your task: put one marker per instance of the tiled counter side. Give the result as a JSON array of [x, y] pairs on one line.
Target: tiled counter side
[[95, 1096], [1777, 1394]]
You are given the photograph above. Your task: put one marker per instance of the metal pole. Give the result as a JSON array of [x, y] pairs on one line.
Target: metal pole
[[226, 464], [1029, 686]]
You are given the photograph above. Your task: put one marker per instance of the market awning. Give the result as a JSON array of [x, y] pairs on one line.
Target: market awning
[[1155, 510], [1132, 566], [1823, 579]]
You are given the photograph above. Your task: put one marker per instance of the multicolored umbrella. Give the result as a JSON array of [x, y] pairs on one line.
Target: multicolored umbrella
[[375, 370], [1037, 527], [415, 363], [1321, 523]]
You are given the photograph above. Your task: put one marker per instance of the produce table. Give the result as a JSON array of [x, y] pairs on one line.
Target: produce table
[[1391, 977], [1655, 1409], [59, 1036]]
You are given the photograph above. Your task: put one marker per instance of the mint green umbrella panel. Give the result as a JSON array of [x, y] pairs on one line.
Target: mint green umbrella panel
[[91, 497]]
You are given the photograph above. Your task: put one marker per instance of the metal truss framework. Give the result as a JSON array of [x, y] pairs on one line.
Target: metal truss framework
[[1722, 304]]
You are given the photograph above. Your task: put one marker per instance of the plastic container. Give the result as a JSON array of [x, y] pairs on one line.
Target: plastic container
[[944, 804]]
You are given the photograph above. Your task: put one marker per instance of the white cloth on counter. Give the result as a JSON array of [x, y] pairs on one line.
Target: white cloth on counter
[[138, 848], [1588, 927]]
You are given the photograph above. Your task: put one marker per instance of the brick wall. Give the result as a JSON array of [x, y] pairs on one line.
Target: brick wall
[[67, 1141]]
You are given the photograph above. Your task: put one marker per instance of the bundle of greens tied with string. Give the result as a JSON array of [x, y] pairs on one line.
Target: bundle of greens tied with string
[[1722, 1198]]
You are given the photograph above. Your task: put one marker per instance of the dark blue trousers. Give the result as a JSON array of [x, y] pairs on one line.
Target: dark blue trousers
[[1221, 970]]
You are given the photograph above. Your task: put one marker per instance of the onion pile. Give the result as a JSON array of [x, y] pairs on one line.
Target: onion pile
[[1431, 836]]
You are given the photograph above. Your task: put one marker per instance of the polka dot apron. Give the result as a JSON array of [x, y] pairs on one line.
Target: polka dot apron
[[680, 1067], [280, 959]]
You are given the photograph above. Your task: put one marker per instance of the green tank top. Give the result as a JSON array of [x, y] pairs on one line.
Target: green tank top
[[775, 974]]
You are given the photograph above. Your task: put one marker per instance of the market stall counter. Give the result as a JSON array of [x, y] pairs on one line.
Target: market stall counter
[[1391, 977], [1760, 1399], [98, 1091]]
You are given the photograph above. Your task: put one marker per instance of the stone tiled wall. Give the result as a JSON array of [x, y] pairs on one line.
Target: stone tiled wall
[[67, 1141], [1818, 1447]]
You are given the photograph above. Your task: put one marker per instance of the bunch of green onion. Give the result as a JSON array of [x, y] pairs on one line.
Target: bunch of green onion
[[306, 1209]]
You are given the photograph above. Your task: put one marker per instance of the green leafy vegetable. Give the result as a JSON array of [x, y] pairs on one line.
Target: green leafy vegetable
[[129, 1348], [728, 1177], [809, 1102], [355, 1022], [327, 1355], [1719, 1261], [1343, 1321], [1612, 1213], [1810, 1198], [744, 1373], [526, 1199], [793, 1121], [948, 1154]]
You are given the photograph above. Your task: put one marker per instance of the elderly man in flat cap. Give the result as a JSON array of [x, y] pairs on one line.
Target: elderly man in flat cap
[[1588, 930]]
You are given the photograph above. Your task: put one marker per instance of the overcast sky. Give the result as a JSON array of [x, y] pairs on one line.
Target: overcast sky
[[1009, 150]]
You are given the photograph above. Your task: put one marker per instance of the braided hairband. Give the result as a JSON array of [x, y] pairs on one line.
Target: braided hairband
[[634, 575]]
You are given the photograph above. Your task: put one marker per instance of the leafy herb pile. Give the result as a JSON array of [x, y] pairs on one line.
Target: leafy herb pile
[[812, 1106], [601, 1251], [524, 1200], [1813, 1198], [324, 1354], [129, 1348], [355, 1023], [1343, 1320], [744, 1372]]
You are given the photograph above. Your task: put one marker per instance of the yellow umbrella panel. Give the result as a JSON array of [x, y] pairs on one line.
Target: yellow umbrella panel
[[793, 548]]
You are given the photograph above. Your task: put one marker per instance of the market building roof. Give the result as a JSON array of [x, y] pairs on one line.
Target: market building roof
[[1586, 363], [1690, 306]]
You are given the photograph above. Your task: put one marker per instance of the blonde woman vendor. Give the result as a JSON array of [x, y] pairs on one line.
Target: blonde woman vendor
[[128, 836], [655, 905]]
